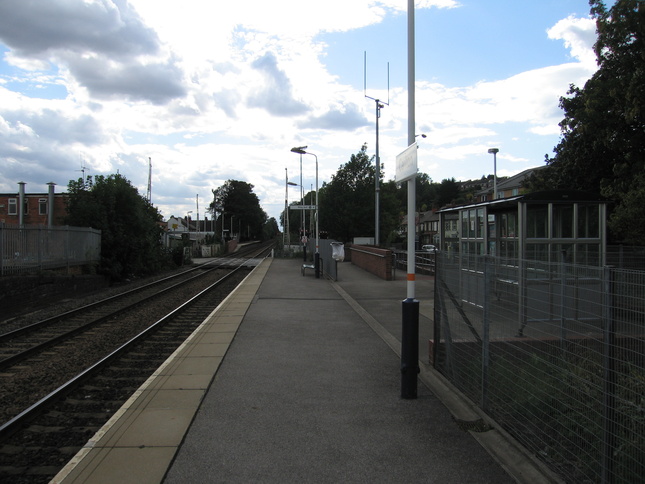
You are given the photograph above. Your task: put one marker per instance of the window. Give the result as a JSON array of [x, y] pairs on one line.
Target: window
[[42, 206], [480, 223], [13, 206], [588, 225], [464, 224], [536, 221], [492, 232], [563, 221]]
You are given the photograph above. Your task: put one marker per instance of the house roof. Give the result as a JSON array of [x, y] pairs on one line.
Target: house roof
[[562, 196], [514, 181]]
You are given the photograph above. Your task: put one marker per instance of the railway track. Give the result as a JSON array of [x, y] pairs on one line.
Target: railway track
[[102, 366]]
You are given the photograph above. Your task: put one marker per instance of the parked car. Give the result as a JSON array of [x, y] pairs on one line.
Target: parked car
[[429, 248]]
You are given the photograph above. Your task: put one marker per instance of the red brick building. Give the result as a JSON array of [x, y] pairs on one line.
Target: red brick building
[[23, 208]]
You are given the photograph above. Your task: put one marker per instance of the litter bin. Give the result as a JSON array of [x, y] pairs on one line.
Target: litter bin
[[338, 251]]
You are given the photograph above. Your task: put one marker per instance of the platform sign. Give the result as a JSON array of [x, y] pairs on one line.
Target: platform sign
[[406, 164], [302, 207]]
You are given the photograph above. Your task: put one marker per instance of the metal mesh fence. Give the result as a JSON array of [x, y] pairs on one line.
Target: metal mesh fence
[[32, 248], [554, 353]]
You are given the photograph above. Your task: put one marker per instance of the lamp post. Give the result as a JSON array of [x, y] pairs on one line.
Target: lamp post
[[285, 220], [286, 228], [494, 151], [301, 150], [302, 219], [188, 220]]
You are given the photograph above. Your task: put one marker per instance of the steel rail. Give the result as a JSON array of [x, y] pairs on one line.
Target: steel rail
[[16, 422]]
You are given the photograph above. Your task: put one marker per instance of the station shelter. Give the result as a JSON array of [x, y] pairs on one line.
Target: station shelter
[[529, 240]]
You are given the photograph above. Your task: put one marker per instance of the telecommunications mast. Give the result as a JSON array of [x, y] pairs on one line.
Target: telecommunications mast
[[377, 175], [149, 194]]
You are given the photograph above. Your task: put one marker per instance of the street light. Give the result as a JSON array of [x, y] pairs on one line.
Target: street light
[[286, 209], [301, 151], [494, 151], [188, 220], [302, 200]]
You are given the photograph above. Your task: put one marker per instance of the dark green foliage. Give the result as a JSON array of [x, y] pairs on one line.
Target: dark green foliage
[[602, 148], [129, 224], [349, 198], [347, 202], [270, 229], [236, 200]]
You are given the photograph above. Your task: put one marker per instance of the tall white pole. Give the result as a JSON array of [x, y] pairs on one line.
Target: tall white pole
[[317, 254], [410, 306], [411, 136], [377, 176], [286, 196]]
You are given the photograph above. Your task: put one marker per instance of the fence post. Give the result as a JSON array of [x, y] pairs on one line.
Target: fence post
[[67, 248], [486, 333], [39, 248], [436, 315], [563, 290], [2, 235], [609, 390]]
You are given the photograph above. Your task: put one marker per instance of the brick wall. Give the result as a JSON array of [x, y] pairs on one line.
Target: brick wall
[[32, 215], [372, 259]]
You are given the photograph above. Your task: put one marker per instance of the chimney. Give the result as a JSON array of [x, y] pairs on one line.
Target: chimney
[[50, 205], [21, 203]]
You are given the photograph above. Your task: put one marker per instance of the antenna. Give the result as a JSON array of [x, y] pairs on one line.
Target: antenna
[[365, 82], [83, 168], [149, 194], [377, 175]]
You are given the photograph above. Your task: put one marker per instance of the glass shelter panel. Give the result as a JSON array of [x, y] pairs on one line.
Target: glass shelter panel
[[588, 221], [563, 221], [536, 221]]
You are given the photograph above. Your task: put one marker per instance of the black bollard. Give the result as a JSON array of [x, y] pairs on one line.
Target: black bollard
[[409, 348]]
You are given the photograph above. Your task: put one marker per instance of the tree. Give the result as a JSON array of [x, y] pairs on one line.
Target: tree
[[447, 192], [270, 229], [347, 201], [236, 201], [602, 148], [129, 224]]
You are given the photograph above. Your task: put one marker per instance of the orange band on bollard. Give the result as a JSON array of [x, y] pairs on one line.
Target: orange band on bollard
[[411, 277]]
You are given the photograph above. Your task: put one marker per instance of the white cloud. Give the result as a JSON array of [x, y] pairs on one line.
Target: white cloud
[[579, 36], [213, 93]]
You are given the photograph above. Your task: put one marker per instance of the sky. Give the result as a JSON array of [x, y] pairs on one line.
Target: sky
[[205, 93]]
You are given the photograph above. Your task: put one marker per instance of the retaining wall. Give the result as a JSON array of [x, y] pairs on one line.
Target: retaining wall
[[372, 259]]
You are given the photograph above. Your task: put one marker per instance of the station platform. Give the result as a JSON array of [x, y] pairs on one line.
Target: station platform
[[297, 379]]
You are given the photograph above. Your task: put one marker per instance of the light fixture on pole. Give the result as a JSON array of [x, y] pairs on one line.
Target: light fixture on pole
[[494, 151], [302, 215], [188, 220], [301, 151], [285, 219], [289, 184]]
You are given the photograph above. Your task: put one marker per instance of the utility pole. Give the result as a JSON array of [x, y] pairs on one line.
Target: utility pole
[[149, 194], [377, 173]]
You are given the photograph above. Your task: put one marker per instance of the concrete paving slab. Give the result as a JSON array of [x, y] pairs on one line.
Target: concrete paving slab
[[308, 392]]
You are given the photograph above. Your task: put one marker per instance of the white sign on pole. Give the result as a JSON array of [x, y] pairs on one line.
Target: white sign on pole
[[406, 164], [302, 207]]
